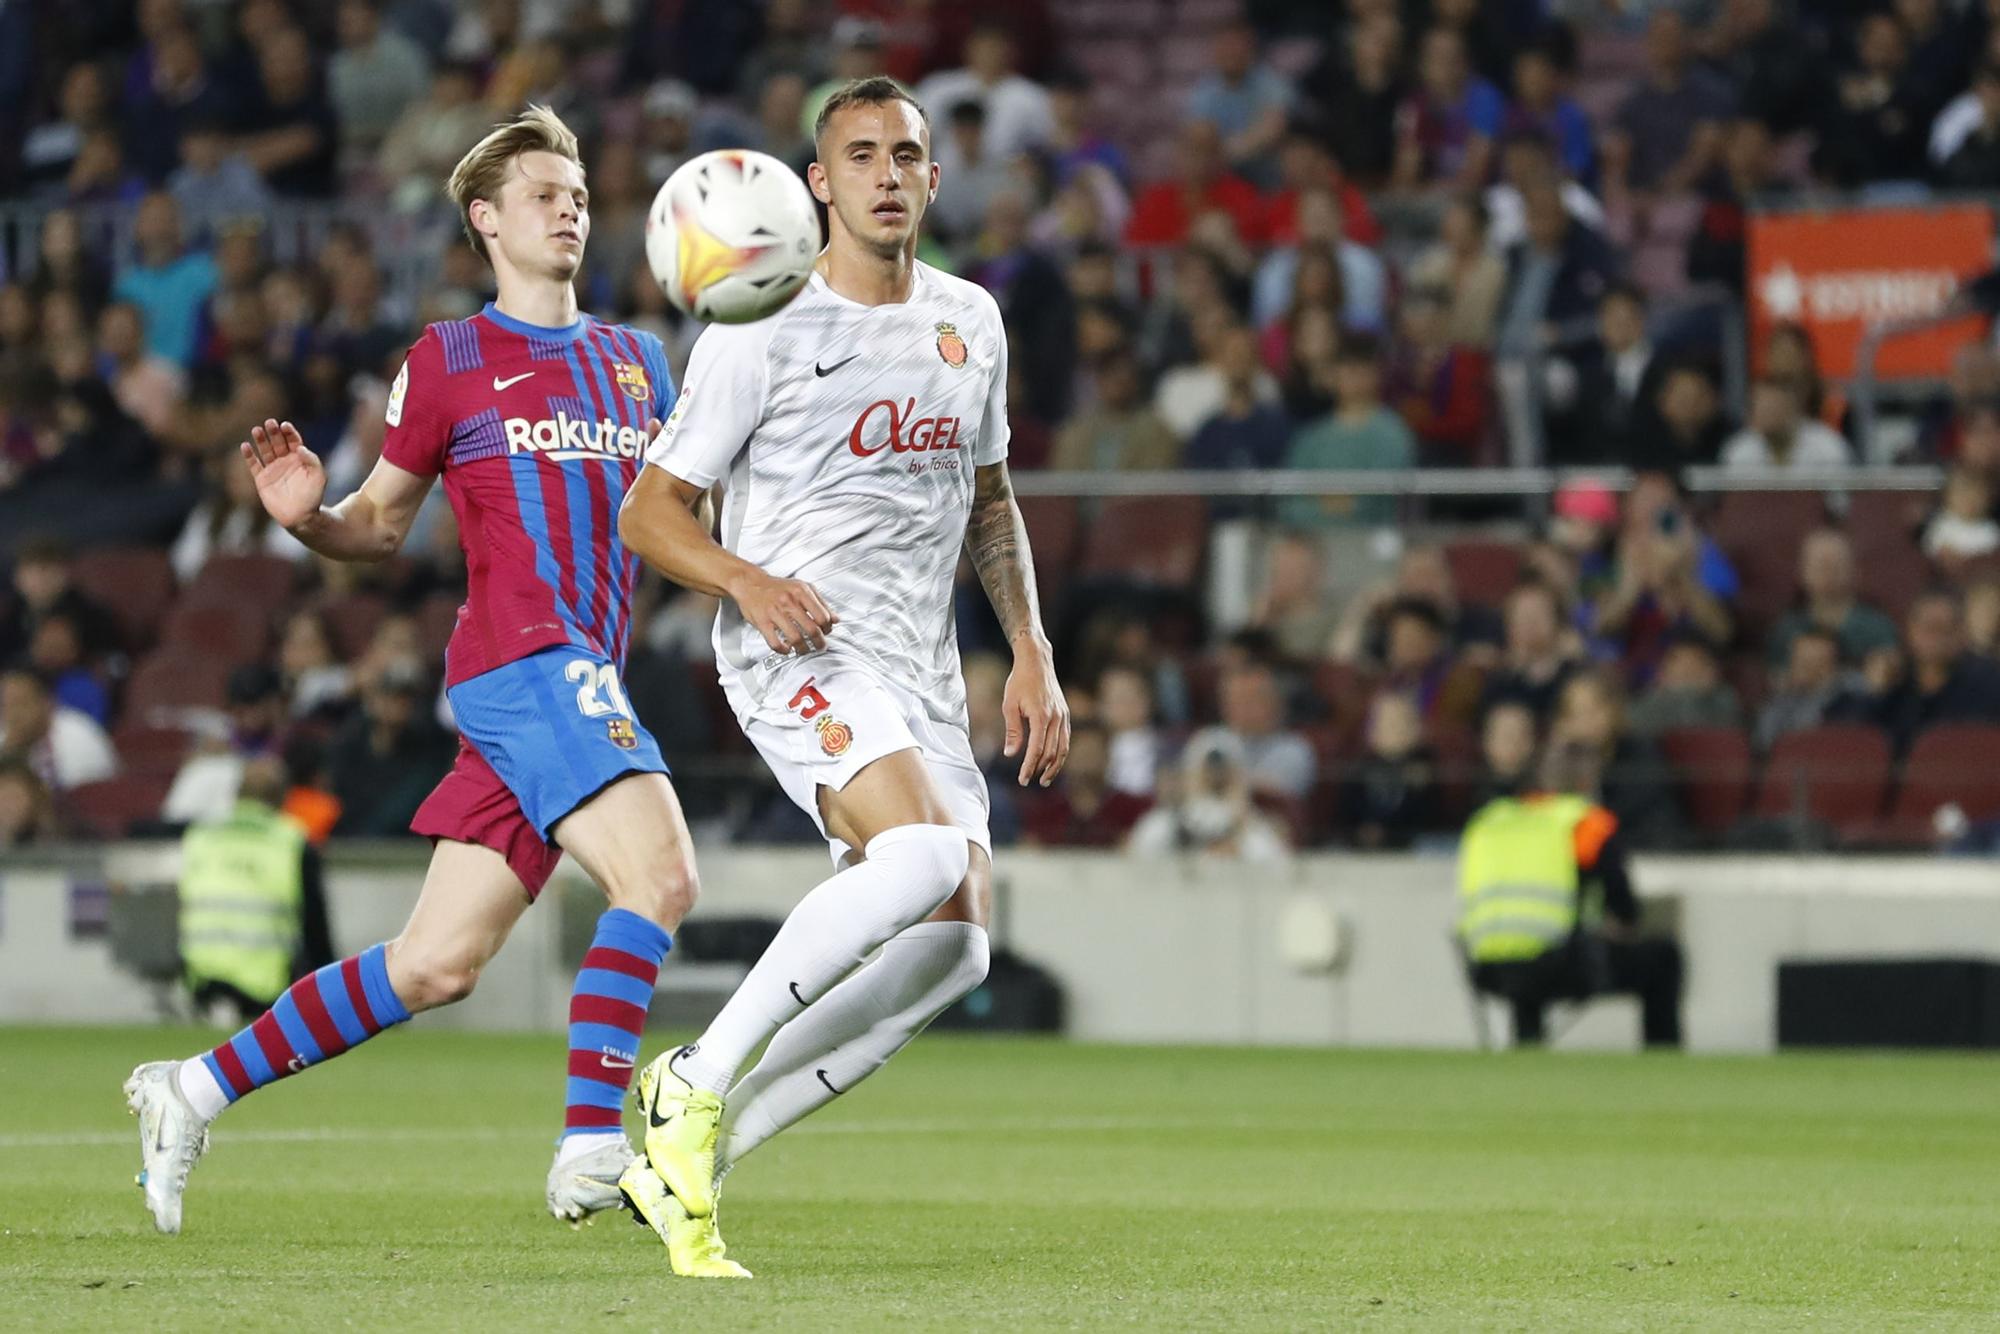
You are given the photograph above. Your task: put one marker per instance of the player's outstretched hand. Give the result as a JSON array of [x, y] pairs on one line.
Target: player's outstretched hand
[[1037, 715], [787, 612], [290, 480]]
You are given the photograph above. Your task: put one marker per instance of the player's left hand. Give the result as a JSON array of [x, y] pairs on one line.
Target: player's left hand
[[1037, 715]]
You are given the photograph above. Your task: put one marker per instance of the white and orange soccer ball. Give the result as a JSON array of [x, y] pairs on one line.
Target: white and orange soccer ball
[[732, 236]]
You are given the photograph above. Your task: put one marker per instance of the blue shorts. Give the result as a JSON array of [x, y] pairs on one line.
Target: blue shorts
[[557, 728]]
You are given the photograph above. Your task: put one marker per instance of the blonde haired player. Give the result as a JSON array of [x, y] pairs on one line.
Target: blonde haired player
[[860, 435], [534, 415]]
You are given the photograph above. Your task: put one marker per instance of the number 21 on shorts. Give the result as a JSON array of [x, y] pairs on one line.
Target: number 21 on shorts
[[597, 689]]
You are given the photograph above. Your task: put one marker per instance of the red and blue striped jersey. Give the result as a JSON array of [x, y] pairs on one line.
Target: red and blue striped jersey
[[537, 433]]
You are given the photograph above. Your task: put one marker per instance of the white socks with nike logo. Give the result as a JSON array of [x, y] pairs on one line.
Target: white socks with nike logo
[[851, 1032], [909, 872]]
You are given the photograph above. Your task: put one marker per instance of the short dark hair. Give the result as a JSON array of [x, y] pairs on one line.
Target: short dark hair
[[1623, 289], [44, 549], [871, 91], [1358, 347], [1417, 609]]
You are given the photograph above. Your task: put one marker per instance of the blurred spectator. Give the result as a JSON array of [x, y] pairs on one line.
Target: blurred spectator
[[388, 756], [1688, 692], [1963, 529], [1357, 90], [1208, 808], [83, 105], [63, 263], [1292, 606], [1776, 66], [1446, 129], [375, 74], [1305, 167], [288, 131], [1125, 706], [1121, 433], [1666, 136], [1249, 428], [857, 54], [1873, 127], [1307, 354], [147, 387], [986, 728], [1982, 614], [215, 186], [1390, 797], [430, 136], [1685, 426], [1017, 110], [1962, 114], [1245, 100], [1364, 280], [230, 521], [1083, 810], [27, 811], [1544, 107], [1359, 435], [1539, 657], [1975, 165], [1789, 355], [1034, 303], [1780, 435], [1939, 681], [1202, 288], [1830, 604], [1633, 780], [1441, 388], [100, 175], [1315, 284], [1165, 212], [1462, 265], [1555, 275], [1748, 173], [44, 586], [789, 43], [1617, 378], [1508, 742], [56, 651], [317, 684], [1671, 581], [178, 93], [1076, 146], [209, 781], [167, 282], [779, 129], [1807, 688], [1278, 762], [1423, 575], [976, 175], [1418, 663], [1188, 396], [64, 748]]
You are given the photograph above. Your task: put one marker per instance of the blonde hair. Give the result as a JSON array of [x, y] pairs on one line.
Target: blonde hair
[[481, 172]]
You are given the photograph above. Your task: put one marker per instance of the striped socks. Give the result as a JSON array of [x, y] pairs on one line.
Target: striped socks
[[340, 1006], [607, 1016]]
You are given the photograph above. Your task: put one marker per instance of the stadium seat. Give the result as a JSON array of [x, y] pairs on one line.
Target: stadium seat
[[171, 682], [1345, 690], [351, 622], [1761, 533], [144, 750], [231, 634], [1483, 571], [264, 582], [136, 584], [1836, 775], [1891, 576], [1951, 764], [110, 808], [1713, 766], [1885, 520], [1153, 540]]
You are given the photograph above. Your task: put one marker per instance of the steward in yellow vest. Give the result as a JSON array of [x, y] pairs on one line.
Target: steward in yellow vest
[[1547, 913]]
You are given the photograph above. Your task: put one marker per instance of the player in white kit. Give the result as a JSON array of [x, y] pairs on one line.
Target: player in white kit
[[860, 438]]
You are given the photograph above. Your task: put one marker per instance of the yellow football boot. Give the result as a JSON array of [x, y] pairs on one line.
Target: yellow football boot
[[694, 1245], [681, 1126]]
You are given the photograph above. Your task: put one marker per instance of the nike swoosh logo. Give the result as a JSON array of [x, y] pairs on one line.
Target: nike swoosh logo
[[795, 994], [824, 371], [828, 1082], [613, 1063], [499, 384], [654, 1119]]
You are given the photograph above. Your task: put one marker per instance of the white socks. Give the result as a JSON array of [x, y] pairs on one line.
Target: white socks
[[572, 1147], [909, 872], [852, 1032], [199, 1087]]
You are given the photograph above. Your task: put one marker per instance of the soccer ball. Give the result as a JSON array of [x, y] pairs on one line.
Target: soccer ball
[[732, 236]]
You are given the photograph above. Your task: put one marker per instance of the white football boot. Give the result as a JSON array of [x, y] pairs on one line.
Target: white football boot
[[172, 1138], [589, 1184]]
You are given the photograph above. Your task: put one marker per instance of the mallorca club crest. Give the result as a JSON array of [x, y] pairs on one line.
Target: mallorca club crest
[[632, 379], [950, 346], [834, 736], [622, 734]]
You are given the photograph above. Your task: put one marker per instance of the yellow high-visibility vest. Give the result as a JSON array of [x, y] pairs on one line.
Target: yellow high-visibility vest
[[1517, 878], [241, 887]]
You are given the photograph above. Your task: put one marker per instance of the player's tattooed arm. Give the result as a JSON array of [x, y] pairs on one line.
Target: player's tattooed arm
[[997, 540]]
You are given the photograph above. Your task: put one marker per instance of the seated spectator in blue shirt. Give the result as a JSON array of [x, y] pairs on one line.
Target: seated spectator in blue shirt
[[1364, 279], [169, 283], [1541, 105], [1446, 130], [215, 186], [1668, 135], [1670, 582], [1246, 101]]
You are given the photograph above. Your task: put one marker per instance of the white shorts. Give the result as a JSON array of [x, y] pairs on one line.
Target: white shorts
[[825, 718]]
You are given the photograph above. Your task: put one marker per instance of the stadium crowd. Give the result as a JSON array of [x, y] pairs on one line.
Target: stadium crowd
[[1291, 235]]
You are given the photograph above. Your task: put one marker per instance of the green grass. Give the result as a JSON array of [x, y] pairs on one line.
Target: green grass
[[1030, 1185]]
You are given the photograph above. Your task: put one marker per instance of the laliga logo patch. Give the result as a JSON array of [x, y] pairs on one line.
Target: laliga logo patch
[[950, 346], [834, 736], [632, 379], [622, 733]]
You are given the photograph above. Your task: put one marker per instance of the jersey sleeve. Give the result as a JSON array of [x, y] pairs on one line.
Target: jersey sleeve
[[718, 408], [419, 423], [659, 373], [994, 432]]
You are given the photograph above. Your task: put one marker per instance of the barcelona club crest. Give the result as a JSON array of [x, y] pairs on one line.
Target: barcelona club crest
[[623, 735], [834, 736], [950, 346], [632, 379]]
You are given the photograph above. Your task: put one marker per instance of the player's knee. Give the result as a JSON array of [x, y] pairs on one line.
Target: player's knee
[[930, 859], [427, 982], [662, 893]]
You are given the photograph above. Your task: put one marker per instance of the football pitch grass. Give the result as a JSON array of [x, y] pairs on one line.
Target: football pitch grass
[[1013, 1185]]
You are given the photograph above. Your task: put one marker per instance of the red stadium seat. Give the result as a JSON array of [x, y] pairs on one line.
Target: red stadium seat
[[1890, 577], [1153, 540], [170, 682], [1713, 765], [1836, 775], [1483, 571], [136, 584], [263, 582], [1882, 520], [1949, 764], [232, 635], [151, 751], [1760, 532], [109, 809]]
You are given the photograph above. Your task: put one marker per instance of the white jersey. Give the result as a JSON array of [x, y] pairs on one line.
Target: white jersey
[[845, 436]]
